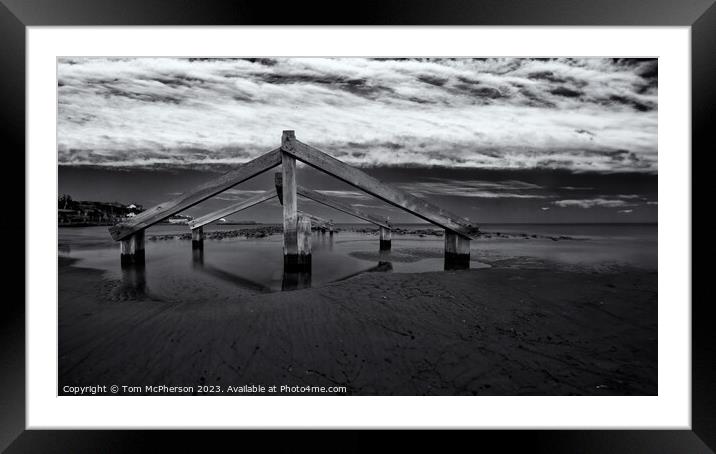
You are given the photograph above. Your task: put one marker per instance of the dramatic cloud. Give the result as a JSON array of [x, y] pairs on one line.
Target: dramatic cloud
[[471, 188], [629, 196], [589, 203], [238, 194], [576, 114], [345, 194]]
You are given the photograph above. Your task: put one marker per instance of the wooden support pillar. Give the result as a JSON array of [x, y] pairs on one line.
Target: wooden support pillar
[[296, 230], [290, 205], [303, 234], [301, 260], [197, 238], [384, 239], [457, 251], [132, 249]]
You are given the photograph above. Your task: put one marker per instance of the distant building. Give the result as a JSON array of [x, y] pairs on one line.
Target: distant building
[[74, 212]]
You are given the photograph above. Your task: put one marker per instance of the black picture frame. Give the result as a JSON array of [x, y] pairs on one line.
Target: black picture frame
[[16, 15]]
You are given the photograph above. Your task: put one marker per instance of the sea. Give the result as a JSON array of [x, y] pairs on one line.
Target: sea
[[230, 267]]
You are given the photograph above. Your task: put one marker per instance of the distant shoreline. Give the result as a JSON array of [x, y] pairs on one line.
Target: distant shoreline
[[261, 231]]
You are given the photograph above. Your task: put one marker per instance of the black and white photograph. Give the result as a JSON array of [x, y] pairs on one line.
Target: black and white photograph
[[357, 226]]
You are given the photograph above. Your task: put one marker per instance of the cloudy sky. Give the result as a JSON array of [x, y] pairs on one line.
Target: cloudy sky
[[520, 140]]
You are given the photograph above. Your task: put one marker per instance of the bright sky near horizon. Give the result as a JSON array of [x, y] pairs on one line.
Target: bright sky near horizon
[[579, 115]]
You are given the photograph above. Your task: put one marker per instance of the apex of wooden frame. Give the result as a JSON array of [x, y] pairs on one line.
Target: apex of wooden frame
[[287, 139]]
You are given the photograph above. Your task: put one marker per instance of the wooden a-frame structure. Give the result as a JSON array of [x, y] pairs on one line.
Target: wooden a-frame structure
[[296, 244]]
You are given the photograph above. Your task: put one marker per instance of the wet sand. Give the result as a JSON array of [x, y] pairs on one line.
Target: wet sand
[[518, 328]]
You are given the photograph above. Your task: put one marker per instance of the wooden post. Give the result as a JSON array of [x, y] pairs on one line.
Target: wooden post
[[384, 239], [290, 205], [197, 238], [301, 260], [296, 230], [132, 249], [457, 251], [303, 236]]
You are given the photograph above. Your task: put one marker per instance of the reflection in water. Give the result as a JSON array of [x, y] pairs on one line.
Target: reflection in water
[[134, 281], [384, 257], [172, 272], [381, 267], [198, 264], [456, 262], [296, 280], [322, 241], [197, 257], [234, 278]]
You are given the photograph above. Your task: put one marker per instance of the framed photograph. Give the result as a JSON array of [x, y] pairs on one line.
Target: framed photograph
[[465, 216]]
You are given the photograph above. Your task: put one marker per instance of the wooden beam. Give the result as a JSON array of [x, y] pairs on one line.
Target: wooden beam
[[329, 202], [396, 197], [188, 199], [231, 209]]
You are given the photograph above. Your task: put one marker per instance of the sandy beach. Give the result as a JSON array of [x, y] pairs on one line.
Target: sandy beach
[[521, 327]]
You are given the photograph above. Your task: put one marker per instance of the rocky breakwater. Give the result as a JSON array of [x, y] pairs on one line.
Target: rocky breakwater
[[255, 232]]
